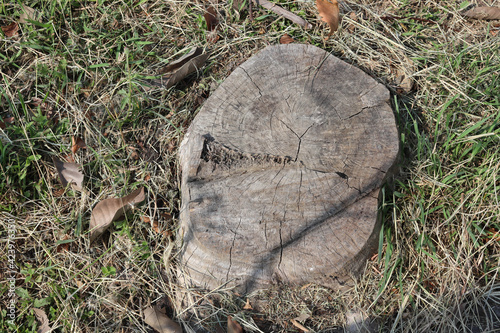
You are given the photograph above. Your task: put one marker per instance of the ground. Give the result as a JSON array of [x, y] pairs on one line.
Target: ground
[[83, 69]]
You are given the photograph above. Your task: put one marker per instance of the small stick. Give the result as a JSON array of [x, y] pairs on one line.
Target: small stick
[[250, 11], [283, 12]]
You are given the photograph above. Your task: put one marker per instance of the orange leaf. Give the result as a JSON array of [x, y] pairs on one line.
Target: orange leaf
[[329, 12], [233, 326], [247, 306], [211, 18], [286, 39], [77, 143], [11, 29]]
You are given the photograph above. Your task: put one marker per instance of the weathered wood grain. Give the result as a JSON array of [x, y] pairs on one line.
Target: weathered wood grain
[[281, 171]]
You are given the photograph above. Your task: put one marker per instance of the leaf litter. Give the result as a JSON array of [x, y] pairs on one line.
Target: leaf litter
[[483, 13], [233, 326], [77, 143], [160, 322], [11, 29], [109, 210], [41, 316], [286, 39], [181, 68], [69, 173], [329, 12]]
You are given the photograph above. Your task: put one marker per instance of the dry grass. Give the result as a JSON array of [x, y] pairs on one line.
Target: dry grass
[[83, 72]]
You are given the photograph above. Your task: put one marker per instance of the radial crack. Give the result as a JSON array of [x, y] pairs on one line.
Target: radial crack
[[256, 86]]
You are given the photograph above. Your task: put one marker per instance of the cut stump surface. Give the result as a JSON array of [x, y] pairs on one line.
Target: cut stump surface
[[281, 172]]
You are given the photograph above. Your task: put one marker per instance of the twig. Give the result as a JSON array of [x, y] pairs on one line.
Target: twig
[[250, 11], [283, 12]]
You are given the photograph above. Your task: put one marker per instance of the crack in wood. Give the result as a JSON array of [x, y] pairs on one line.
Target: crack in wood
[[223, 156]]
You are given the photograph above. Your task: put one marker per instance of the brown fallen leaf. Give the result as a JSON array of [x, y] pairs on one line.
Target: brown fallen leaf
[[155, 226], [77, 143], [238, 4], [286, 39], [299, 325], [302, 318], [179, 69], [160, 322], [351, 27], [11, 29], [329, 12], [211, 18], [109, 210], [483, 13], [69, 173], [27, 14], [41, 316], [233, 326], [248, 306], [63, 244]]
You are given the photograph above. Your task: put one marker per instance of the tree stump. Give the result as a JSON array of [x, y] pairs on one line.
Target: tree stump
[[281, 172]]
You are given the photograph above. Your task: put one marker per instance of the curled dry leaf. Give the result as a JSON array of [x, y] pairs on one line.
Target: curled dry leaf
[[77, 143], [11, 29], [211, 18], [179, 69], [69, 173], [109, 210], [483, 13], [160, 322], [329, 12], [233, 326], [286, 39], [41, 316]]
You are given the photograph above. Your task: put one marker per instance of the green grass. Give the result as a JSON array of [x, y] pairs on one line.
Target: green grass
[[80, 69]]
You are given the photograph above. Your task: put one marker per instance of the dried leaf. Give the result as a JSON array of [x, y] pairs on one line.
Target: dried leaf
[[109, 210], [248, 306], [302, 318], [63, 245], [77, 143], [171, 67], [28, 14], [160, 322], [329, 12], [354, 18], [483, 13], [212, 37], [179, 69], [11, 29], [69, 173], [299, 325], [41, 316], [233, 326], [238, 4], [286, 39], [211, 18], [155, 226]]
